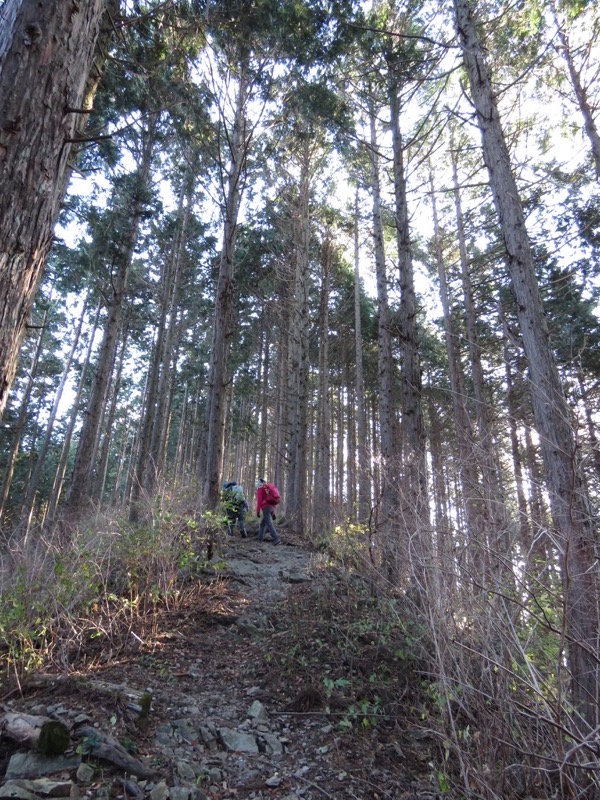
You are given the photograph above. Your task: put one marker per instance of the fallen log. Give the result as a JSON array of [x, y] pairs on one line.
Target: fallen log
[[139, 702], [107, 748], [50, 737]]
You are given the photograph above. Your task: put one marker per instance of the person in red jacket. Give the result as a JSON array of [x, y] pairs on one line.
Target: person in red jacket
[[266, 501]]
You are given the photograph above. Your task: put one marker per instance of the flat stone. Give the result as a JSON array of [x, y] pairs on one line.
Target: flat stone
[[85, 773], [179, 793], [34, 765], [197, 794], [258, 711], [12, 789], [186, 729], [46, 787], [186, 772], [272, 743], [236, 742], [160, 791], [296, 577]]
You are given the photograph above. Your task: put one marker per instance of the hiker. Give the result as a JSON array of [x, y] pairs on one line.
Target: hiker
[[267, 498], [236, 506]]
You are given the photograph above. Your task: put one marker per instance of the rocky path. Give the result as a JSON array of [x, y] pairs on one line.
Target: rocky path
[[216, 729]]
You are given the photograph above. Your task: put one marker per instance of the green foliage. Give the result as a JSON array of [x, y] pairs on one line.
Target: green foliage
[[22, 628], [215, 521], [347, 544], [87, 745]]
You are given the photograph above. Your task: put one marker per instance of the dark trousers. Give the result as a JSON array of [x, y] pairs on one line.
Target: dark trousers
[[236, 515], [266, 524]]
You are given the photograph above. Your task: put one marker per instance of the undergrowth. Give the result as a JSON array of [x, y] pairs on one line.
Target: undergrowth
[[469, 686], [71, 595], [349, 654], [461, 687]]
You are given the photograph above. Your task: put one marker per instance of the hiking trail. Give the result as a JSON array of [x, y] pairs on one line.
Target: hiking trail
[[221, 725]]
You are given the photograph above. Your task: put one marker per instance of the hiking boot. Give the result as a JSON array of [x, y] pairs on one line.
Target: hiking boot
[[276, 541], [244, 535]]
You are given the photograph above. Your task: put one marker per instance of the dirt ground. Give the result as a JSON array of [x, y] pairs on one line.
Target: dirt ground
[[247, 701]]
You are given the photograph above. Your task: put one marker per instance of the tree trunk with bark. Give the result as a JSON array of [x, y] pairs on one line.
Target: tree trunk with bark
[[298, 353], [83, 470], [571, 511], [46, 54], [387, 400], [59, 477], [525, 530], [19, 427], [364, 471], [413, 524], [149, 462], [34, 479], [104, 450], [467, 462], [581, 93], [322, 471], [223, 319], [49, 737]]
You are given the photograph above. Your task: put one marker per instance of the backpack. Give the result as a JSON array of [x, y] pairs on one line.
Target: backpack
[[272, 495], [234, 494]]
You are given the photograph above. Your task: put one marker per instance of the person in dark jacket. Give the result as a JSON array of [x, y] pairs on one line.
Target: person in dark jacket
[[266, 502]]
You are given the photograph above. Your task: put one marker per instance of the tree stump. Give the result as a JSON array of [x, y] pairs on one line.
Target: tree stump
[[48, 736]]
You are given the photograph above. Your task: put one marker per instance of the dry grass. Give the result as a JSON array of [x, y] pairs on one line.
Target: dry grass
[[81, 592], [487, 654]]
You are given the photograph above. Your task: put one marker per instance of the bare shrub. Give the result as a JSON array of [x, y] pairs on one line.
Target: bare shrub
[[494, 644], [84, 589]]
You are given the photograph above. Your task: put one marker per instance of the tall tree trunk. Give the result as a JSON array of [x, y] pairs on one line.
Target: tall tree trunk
[[282, 407], [375, 449], [513, 419], [339, 452], [493, 507], [182, 439], [21, 420], [149, 464], [350, 426], [387, 401], [110, 420], [59, 476], [515, 415], [35, 476], [81, 484], [590, 422], [467, 462], [443, 532], [265, 365], [414, 504], [581, 93], [46, 55], [570, 506], [364, 471], [298, 357], [223, 318], [485, 452], [170, 346], [321, 493]]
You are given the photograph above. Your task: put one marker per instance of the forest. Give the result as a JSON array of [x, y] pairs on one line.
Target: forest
[[354, 248]]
